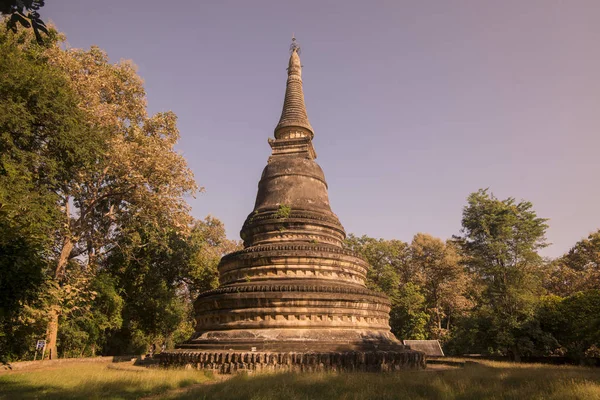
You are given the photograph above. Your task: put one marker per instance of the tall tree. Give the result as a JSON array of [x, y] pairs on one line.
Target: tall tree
[[443, 280], [107, 165], [43, 141], [500, 241], [138, 179]]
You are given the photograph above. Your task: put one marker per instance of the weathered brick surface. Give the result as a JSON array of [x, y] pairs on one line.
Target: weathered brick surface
[[226, 362], [294, 294]]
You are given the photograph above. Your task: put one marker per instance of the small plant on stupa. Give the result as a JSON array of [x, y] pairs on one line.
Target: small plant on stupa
[[283, 211], [254, 213]]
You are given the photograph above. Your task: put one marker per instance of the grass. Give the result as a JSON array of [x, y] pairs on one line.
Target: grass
[[488, 380], [94, 381]]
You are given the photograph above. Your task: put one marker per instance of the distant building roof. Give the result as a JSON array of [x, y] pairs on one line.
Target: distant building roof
[[431, 348]]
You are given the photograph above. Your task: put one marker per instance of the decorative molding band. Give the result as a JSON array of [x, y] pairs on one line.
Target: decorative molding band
[[226, 362], [296, 214], [304, 288], [292, 247]]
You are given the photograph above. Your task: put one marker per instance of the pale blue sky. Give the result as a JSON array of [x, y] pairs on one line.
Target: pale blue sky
[[415, 104]]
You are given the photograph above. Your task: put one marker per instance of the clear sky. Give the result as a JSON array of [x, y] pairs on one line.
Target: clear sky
[[415, 104]]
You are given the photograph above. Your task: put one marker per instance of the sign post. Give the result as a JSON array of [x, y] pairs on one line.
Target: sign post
[[40, 345]]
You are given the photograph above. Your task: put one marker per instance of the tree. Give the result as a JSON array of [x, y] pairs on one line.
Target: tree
[[92, 315], [106, 165], [208, 244], [578, 270], [388, 262], [409, 317], [585, 255], [159, 275], [43, 139], [138, 178], [442, 278], [391, 272], [25, 13], [574, 322], [500, 242]]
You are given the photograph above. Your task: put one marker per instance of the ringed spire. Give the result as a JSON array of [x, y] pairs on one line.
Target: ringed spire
[[294, 119]]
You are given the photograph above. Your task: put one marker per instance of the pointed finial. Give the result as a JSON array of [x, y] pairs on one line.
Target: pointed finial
[[294, 46]]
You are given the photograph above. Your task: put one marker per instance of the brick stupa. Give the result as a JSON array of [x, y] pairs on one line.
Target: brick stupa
[[294, 298]]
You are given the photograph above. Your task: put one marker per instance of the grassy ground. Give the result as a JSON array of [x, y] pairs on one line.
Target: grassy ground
[[94, 381], [489, 380]]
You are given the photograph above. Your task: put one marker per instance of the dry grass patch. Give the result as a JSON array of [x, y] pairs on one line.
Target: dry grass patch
[[490, 381], [95, 381]]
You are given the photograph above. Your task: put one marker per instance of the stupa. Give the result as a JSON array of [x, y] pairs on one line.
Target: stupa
[[294, 298]]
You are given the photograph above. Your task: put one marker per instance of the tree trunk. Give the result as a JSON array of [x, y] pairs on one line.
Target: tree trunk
[[54, 312], [52, 332], [68, 245], [516, 355]]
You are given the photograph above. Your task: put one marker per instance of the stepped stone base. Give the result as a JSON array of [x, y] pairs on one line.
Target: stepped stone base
[[227, 362]]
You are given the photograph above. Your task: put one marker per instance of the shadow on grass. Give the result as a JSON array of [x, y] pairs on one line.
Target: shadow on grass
[[95, 382], [497, 381], [109, 390], [477, 382]]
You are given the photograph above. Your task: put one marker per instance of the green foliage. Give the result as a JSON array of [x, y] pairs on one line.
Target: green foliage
[[86, 327], [573, 321], [388, 260], [578, 270], [24, 13], [283, 211], [391, 272], [95, 233], [499, 242], [585, 255], [159, 275], [408, 317], [42, 142], [443, 280], [149, 267]]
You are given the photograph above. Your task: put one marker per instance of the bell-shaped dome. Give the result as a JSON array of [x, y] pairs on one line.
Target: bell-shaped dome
[[298, 183]]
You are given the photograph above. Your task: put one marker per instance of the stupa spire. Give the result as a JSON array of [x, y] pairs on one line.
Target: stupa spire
[[294, 119]]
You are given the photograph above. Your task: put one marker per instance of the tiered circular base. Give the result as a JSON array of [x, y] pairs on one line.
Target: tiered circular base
[[292, 305], [226, 362]]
